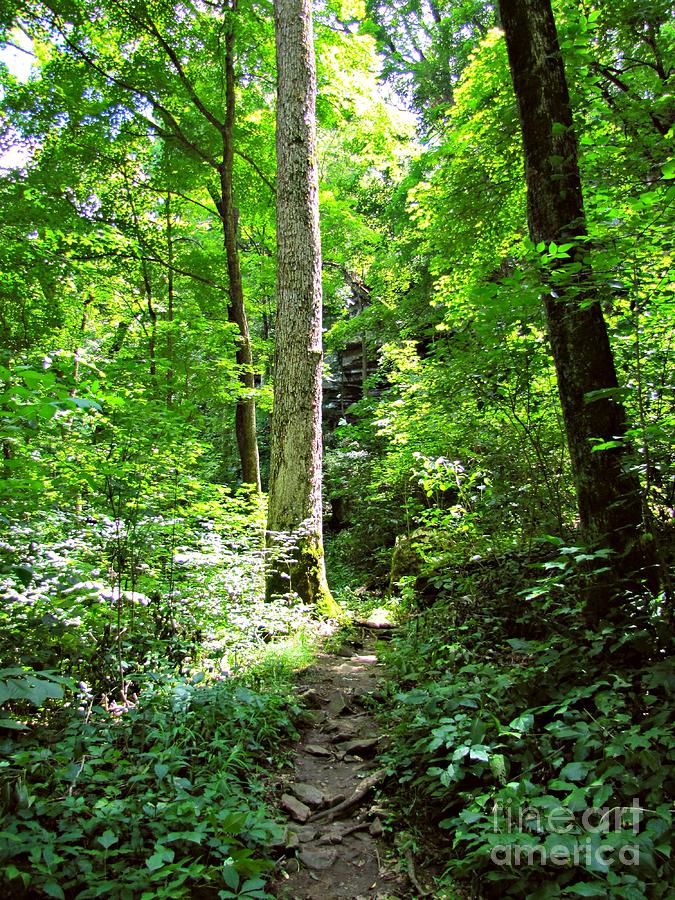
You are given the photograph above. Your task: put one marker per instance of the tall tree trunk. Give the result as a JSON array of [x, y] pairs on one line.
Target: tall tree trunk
[[169, 300], [295, 512], [245, 417], [609, 496]]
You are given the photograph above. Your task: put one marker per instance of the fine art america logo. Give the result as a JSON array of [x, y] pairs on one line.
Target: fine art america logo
[[596, 838]]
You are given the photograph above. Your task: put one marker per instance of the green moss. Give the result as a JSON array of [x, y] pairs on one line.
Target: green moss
[[305, 574]]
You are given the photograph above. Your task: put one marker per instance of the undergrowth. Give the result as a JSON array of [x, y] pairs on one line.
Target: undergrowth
[[542, 748], [162, 798], [145, 703]]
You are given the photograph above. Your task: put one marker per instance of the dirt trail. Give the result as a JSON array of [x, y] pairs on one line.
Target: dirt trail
[[334, 846]]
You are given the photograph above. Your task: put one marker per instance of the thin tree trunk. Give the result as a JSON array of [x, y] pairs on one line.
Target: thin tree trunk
[[245, 417], [295, 512], [77, 355], [609, 496], [147, 282]]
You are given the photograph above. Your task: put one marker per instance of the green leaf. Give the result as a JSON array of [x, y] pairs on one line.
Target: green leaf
[[160, 857], [230, 874], [154, 862], [12, 725], [575, 771], [519, 644], [499, 766], [479, 752], [523, 723], [83, 403], [194, 837], [32, 379], [607, 445], [252, 884], [587, 889], [47, 410], [107, 839], [52, 889]]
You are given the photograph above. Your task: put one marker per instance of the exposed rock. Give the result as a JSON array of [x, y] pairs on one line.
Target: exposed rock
[[334, 854], [345, 729], [374, 625], [305, 833], [366, 747], [337, 704], [309, 718], [281, 842], [307, 793], [333, 801], [331, 837], [318, 859], [376, 828], [316, 750], [407, 557], [310, 698], [292, 841], [365, 696], [296, 808]]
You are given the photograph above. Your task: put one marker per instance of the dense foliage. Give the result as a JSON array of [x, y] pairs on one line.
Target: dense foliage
[[142, 671]]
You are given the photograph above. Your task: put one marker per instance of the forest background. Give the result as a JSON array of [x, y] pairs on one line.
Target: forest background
[[144, 670]]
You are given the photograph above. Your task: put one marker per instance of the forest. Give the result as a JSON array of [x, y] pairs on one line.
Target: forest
[[337, 419]]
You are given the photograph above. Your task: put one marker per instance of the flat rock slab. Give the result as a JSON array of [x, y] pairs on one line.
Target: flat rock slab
[[307, 793], [338, 704], [292, 841], [316, 750], [318, 859], [365, 747], [296, 808], [305, 833]]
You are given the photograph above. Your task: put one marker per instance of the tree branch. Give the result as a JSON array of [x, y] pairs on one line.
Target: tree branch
[[188, 199], [180, 71], [177, 131], [256, 168]]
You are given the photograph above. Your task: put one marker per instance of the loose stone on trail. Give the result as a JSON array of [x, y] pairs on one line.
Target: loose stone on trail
[[305, 833], [318, 859], [366, 747], [310, 698], [317, 750], [295, 807], [308, 794], [337, 704]]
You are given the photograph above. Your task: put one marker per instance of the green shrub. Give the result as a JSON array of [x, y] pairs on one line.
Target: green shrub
[[545, 750], [161, 798]]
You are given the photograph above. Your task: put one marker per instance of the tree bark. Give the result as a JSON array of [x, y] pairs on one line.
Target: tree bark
[[245, 417], [295, 503], [169, 299], [609, 495]]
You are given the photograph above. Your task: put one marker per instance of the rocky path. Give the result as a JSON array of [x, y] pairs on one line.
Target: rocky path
[[334, 848]]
